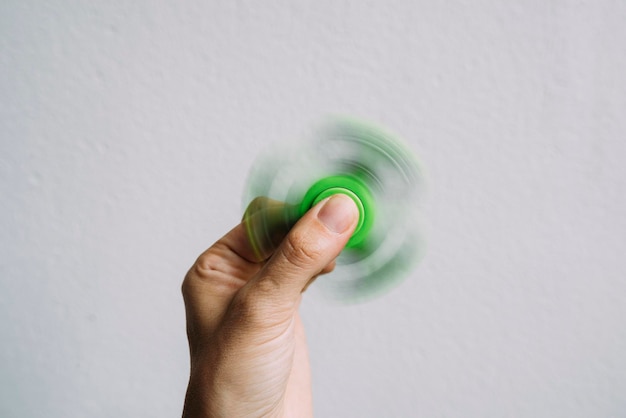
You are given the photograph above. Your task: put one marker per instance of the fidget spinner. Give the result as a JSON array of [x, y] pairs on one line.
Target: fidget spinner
[[371, 166]]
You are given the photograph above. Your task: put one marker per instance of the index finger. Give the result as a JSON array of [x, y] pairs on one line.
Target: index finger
[[267, 222]]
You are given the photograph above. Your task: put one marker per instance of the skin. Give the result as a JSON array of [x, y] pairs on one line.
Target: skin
[[247, 344]]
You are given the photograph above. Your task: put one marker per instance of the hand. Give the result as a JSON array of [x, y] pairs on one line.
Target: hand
[[247, 343]]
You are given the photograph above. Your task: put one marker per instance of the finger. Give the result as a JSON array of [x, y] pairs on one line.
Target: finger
[[267, 222], [236, 244], [311, 245], [215, 277], [259, 203]]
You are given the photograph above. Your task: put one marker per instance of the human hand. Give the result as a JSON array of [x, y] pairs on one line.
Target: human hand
[[247, 344]]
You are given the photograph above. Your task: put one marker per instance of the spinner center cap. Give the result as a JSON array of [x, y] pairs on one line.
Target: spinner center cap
[[351, 187]]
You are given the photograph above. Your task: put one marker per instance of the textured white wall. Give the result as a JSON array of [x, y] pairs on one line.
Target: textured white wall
[[126, 132]]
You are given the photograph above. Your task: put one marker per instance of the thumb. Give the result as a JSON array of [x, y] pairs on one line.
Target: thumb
[[315, 241]]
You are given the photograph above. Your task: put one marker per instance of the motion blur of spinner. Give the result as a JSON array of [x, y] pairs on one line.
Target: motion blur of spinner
[[360, 160]]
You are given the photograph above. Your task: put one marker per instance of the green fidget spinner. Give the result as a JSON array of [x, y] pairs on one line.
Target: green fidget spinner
[[369, 165]]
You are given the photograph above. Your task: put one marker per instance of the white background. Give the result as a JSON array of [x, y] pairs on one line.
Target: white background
[[126, 132]]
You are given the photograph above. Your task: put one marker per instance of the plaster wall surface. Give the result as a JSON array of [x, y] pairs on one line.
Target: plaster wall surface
[[126, 133]]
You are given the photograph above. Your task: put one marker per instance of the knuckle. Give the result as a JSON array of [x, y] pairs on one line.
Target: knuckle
[[257, 305], [300, 251], [267, 287], [245, 309], [200, 271], [186, 287], [191, 287], [204, 265]]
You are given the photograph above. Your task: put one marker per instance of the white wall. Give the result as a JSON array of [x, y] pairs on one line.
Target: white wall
[[126, 132]]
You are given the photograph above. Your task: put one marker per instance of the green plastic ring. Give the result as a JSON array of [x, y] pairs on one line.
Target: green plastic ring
[[336, 190], [351, 187]]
